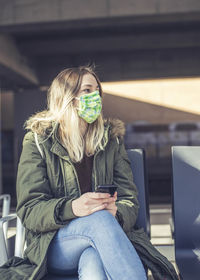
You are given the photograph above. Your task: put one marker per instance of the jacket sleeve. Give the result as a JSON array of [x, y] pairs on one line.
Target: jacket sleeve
[[38, 210], [127, 202]]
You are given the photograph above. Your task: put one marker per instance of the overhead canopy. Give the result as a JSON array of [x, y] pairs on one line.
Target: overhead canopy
[[126, 41], [14, 68]]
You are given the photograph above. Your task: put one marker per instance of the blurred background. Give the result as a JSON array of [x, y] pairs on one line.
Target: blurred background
[[147, 55]]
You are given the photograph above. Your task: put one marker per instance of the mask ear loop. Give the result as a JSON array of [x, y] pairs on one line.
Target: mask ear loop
[[78, 108]]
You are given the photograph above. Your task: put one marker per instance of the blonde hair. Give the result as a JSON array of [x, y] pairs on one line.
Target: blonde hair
[[61, 109]]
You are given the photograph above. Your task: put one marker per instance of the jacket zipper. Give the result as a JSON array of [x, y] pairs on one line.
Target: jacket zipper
[[63, 172], [94, 168], [76, 176]]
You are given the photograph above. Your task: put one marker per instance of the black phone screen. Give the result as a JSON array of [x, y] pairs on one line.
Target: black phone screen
[[111, 189]]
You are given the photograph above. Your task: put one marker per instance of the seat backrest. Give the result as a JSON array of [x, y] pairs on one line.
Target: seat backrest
[[186, 209], [138, 166]]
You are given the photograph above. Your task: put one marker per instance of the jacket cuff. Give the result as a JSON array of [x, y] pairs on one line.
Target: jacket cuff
[[64, 212], [68, 213], [119, 218]]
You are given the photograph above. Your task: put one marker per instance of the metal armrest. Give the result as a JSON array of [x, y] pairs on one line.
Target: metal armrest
[[19, 239], [3, 246], [6, 209], [6, 204], [7, 219]]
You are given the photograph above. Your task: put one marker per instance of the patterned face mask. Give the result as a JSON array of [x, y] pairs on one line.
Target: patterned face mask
[[90, 106]]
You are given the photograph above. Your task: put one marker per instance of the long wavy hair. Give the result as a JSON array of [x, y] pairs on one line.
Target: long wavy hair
[[61, 109]]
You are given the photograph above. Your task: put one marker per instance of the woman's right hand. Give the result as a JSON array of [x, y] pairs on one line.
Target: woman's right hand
[[90, 202]]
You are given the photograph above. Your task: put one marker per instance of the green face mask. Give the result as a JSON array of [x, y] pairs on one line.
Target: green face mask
[[90, 106]]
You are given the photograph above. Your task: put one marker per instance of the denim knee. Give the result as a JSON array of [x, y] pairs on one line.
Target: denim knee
[[101, 222], [104, 215], [91, 266]]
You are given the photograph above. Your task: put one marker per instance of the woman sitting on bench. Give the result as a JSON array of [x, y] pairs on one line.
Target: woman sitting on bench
[[71, 229]]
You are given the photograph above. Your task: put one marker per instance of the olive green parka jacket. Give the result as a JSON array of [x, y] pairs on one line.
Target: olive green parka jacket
[[47, 184]]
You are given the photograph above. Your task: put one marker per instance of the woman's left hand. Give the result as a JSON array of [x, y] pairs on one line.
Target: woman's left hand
[[111, 207]]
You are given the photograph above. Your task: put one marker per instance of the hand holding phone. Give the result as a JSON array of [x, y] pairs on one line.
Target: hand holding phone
[[109, 188]]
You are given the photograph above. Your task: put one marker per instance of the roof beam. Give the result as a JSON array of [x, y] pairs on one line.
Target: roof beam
[[14, 12], [115, 66], [109, 43], [13, 65]]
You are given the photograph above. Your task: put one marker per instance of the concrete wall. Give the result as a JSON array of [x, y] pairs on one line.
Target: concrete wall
[[131, 111], [7, 110]]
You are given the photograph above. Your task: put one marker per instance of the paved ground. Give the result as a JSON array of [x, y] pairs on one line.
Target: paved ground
[[161, 231]]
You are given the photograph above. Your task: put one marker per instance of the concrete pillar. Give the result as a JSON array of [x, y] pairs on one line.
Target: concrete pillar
[[26, 103], [1, 188]]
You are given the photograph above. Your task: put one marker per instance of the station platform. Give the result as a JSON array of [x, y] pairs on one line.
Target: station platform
[[161, 235]]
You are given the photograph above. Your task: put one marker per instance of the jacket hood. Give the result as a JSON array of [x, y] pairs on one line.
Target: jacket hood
[[117, 128], [37, 123]]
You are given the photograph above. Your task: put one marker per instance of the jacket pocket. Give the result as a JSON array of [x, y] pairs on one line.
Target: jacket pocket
[[32, 251]]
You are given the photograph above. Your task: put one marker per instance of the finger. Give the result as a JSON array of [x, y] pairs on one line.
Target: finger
[[98, 208], [111, 207], [93, 201], [115, 196], [97, 195]]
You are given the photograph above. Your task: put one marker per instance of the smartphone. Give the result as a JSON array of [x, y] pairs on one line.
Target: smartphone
[[111, 189]]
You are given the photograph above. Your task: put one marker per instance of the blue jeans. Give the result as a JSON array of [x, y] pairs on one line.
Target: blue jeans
[[96, 248]]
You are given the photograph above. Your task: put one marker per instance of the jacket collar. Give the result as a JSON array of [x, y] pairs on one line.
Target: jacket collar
[[59, 150]]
